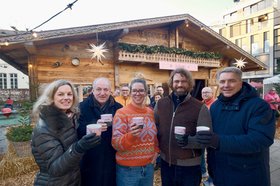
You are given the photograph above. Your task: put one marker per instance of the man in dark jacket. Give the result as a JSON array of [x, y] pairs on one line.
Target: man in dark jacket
[[244, 126], [98, 166], [180, 160]]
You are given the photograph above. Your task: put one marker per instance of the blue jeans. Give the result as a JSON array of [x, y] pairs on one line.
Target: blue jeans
[[202, 164], [135, 176], [175, 175]]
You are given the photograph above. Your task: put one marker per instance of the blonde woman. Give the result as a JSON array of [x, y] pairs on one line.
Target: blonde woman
[[54, 141]]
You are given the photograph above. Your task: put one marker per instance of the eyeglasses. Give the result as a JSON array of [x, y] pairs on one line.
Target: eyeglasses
[[140, 91]]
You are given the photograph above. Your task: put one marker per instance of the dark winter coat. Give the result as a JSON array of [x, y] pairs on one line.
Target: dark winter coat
[[245, 125], [52, 147], [98, 166], [190, 113]]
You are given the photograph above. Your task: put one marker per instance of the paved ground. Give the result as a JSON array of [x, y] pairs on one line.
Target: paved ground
[[275, 163]]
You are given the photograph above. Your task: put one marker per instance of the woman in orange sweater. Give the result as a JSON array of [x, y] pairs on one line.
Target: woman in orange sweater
[[136, 144]]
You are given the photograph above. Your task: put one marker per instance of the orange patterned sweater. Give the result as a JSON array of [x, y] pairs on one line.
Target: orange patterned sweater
[[134, 150]]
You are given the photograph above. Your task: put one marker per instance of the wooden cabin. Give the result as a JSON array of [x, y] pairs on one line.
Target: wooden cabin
[[149, 47]]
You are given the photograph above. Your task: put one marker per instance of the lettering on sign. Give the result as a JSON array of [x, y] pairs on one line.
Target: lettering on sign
[[165, 65], [153, 35]]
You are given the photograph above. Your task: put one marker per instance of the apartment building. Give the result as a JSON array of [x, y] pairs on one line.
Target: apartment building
[[254, 25], [11, 78]]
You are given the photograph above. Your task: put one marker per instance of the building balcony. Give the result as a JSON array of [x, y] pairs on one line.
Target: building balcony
[[156, 58]]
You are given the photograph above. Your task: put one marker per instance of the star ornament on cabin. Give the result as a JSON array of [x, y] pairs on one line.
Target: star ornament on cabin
[[240, 63], [98, 52]]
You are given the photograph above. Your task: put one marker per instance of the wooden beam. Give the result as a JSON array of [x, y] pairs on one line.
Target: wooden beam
[[30, 47]]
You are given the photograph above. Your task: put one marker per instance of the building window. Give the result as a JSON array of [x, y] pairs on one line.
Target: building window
[[14, 81], [266, 42], [222, 32], [235, 30], [238, 42], [277, 66], [255, 44], [262, 22], [3, 81], [276, 51], [233, 16], [254, 8], [248, 26], [246, 11]]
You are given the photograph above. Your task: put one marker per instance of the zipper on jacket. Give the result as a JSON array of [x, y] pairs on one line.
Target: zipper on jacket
[[170, 134]]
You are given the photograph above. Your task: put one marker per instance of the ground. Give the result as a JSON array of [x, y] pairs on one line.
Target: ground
[[27, 179]]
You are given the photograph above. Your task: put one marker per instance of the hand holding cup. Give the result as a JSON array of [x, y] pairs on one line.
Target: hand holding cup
[[103, 124], [180, 135], [134, 129]]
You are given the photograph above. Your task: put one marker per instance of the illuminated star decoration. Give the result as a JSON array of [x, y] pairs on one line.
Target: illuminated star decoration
[[240, 63], [97, 52]]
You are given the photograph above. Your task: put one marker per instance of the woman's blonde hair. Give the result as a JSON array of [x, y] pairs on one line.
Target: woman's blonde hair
[[47, 97]]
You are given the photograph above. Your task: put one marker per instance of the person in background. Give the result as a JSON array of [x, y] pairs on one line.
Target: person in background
[[117, 92], [124, 99], [156, 97], [180, 159], [273, 99], [243, 131], [137, 148], [54, 140], [98, 166], [208, 99], [9, 103], [159, 90]]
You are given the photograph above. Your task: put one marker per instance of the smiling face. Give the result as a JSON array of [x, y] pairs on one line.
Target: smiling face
[[138, 94], [63, 98], [229, 84], [101, 91], [180, 85], [206, 93]]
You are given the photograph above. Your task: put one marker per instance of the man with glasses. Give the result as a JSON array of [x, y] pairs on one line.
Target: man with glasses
[[124, 99], [208, 99], [98, 166], [180, 158]]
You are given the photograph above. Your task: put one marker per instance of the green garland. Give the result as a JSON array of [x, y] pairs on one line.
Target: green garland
[[162, 49]]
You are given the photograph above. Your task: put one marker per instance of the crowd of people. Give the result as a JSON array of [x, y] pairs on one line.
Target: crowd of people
[[224, 139]]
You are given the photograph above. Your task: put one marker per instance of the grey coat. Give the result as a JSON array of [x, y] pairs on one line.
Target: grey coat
[[52, 144]]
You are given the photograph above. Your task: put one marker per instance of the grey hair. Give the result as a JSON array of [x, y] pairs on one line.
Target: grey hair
[[47, 97], [139, 80], [94, 83], [234, 70], [182, 72]]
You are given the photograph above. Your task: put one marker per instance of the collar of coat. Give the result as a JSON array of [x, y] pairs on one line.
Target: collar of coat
[[54, 117]]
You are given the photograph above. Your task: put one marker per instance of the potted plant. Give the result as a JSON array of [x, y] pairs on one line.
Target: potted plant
[[20, 135]]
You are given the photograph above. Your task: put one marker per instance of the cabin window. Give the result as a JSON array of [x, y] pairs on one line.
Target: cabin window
[[3, 81], [14, 81]]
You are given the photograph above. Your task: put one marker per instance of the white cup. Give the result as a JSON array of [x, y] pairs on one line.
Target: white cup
[[139, 121], [180, 130], [94, 128], [202, 128], [107, 118]]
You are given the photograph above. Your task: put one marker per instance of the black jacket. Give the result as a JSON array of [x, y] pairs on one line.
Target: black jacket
[[98, 166], [52, 144]]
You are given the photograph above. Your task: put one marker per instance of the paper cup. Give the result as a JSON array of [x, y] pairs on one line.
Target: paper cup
[[139, 121], [107, 118], [202, 128], [94, 128], [180, 130]]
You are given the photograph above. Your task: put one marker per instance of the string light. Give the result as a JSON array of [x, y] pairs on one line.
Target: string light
[[34, 34]]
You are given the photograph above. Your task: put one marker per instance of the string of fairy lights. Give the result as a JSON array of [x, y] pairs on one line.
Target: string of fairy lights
[[32, 31]]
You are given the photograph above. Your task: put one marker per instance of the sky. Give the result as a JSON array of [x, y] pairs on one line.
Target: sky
[[28, 14]]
